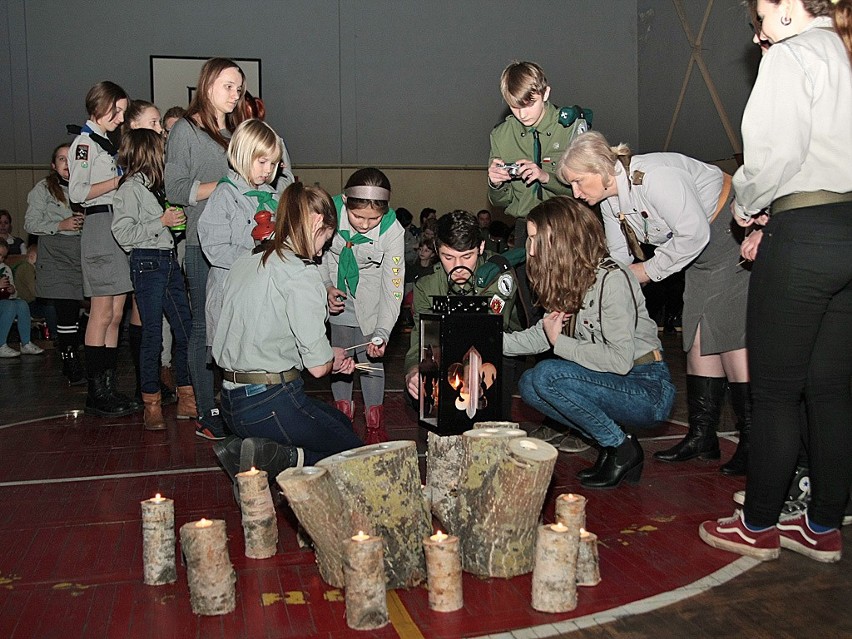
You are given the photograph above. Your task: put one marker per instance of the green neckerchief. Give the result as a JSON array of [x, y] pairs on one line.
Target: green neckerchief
[[347, 267], [265, 200]]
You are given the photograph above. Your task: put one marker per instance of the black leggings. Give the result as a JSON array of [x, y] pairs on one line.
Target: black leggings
[[800, 343]]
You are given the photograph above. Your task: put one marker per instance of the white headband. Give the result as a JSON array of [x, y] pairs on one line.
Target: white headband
[[368, 192]]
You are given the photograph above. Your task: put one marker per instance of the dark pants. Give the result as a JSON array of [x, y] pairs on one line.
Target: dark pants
[[159, 287], [282, 412], [799, 338], [201, 373]]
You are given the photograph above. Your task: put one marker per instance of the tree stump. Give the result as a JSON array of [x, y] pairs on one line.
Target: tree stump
[[209, 571], [500, 498], [158, 541], [554, 581], [445, 461], [317, 504], [260, 526], [588, 563], [571, 511], [380, 484], [364, 576]]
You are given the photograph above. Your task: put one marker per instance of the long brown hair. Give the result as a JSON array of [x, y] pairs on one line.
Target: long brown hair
[[141, 153], [201, 112], [102, 98], [568, 246], [52, 180], [294, 221]]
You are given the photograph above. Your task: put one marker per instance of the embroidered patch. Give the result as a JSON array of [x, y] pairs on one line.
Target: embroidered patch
[[397, 295], [546, 160], [397, 281], [396, 259], [505, 284], [496, 305], [396, 271], [82, 152], [85, 165]]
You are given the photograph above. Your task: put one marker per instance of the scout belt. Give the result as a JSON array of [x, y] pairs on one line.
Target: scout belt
[[283, 377]]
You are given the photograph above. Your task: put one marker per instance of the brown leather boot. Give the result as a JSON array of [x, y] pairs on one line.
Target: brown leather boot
[[376, 433], [167, 377], [153, 417], [186, 408]]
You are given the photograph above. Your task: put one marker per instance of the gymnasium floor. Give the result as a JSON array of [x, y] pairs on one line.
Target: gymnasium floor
[[70, 540]]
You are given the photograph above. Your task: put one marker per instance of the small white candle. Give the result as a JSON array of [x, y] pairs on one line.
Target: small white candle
[[558, 527], [439, 536], [361, 536], [203, 523]]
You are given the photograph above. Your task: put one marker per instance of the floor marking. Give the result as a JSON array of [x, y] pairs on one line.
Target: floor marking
[[72, 414], [152, 473], [400, 619], [560, 628]]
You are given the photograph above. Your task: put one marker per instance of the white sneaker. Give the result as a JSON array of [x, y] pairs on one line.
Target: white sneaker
[[8, 351], [31, 349], [739, 497]]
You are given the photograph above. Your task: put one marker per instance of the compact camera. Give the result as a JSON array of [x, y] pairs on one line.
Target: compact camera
[[512, 169]]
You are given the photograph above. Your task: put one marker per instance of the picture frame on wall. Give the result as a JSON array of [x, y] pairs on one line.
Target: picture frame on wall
[[174, 78]]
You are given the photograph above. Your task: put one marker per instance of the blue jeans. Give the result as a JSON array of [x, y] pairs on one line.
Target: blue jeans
[[9, 309], [284, 413], [201, 374], [159, 288], [596, 403]]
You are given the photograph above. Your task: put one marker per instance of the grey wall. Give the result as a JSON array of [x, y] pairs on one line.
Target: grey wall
[[664, 53], [344, 81], [386, 82]]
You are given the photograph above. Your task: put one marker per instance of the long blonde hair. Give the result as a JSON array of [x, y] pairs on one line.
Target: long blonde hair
[[563, 257]]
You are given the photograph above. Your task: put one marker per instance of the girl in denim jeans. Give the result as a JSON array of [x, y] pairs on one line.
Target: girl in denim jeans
[[140, 226], [608, 370]]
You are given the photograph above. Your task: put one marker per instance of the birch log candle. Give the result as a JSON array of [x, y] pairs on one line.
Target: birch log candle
[[588, 564], [554, 580], [571, 511], [364, 576], [444, 572], [260, 527], [158, 541], [209, 571]]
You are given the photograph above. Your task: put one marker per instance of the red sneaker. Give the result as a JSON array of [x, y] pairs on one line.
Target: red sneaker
[[796, 535], [731, 534]]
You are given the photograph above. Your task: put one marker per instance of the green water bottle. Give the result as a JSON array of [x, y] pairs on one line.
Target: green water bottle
[[177, 227]]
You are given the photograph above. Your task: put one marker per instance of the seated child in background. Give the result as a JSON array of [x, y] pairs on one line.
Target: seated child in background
[[10, 308], [25, 282]]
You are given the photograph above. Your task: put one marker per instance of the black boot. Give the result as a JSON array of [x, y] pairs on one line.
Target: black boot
[[99, 400], [622, 462], [228, 453], [71, 367], [704, 399], [591, 471], [128, 403], [741, 401]]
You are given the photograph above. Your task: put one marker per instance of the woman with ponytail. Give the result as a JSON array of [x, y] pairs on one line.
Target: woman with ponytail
[[797, 139]]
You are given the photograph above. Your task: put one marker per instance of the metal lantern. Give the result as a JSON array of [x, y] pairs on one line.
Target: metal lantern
[[461, 350]]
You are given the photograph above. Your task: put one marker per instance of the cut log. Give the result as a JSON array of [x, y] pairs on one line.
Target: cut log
[[209, 571], [571, 511], [318, 506], [365, 594], [501, 496], [444, 463], [554, 580], [588, 563], [380, 485], [443, 565], [158, 541], [260, 525]]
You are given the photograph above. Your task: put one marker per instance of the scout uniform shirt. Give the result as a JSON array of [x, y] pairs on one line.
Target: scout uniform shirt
[[512, 141], [612, 327], [89, 164], [136, 217], [668, 200], [374, 307], [501, 290]]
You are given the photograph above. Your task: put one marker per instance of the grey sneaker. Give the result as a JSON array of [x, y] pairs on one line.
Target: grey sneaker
[[547, 434], [31, 349], [572, 444], [8, 351]]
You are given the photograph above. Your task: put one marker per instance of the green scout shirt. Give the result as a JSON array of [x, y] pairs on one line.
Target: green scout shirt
[[512, 141], [503, 287]]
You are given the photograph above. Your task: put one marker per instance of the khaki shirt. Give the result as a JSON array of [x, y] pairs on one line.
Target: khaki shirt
[[613, 328], [273, 316], [136, 217], [44, 212], [89, 164]]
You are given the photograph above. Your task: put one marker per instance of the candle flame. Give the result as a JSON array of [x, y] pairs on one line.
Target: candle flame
[[439, 536], [203, 523], [558, 527], [361, 536], [584, 532]]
